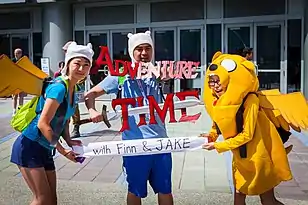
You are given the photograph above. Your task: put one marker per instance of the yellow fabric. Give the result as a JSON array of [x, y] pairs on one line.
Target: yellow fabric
[[15, 79], [266, 164]]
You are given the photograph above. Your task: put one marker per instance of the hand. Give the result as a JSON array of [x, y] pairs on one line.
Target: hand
[[69, 154], [207, 135], [72, 143], [209, 146], [96, 116]]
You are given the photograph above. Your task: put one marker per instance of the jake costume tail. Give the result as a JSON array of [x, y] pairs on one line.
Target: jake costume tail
[[22, 76], [254, 124]]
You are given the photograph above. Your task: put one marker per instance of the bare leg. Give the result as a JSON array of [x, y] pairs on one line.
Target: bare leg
[[52, 179], [38, 183], [165, 199], [132, 199], [268, 198], [239, 198]]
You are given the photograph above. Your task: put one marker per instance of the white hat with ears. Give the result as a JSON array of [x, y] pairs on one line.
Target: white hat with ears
[[137, 39], [75, 51]]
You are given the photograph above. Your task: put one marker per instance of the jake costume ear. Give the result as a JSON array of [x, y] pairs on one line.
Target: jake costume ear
[[216, 55], [249, 65]]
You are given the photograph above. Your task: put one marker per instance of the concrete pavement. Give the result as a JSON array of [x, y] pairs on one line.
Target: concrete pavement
[[199, 177]]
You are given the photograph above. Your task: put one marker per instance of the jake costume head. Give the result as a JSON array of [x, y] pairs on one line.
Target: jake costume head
[[75, 51], [137, 39]]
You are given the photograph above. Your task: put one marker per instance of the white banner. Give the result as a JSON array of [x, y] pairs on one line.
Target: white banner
[[141, 147]]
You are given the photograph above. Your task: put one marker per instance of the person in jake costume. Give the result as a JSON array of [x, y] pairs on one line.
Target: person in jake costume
[[254, 124]]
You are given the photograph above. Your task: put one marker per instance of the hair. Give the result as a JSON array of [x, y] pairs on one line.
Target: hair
[[245, 51]]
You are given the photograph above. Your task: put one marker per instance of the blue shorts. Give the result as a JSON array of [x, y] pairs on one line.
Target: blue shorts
[[30, 154], [156, 168]]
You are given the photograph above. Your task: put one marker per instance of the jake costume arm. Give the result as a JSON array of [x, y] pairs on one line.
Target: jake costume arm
[[250, 119]]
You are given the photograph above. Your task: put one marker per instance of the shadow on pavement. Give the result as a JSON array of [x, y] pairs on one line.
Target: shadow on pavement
[[101, 133]]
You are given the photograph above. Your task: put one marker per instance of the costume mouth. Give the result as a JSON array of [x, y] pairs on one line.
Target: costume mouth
[[215, 84]]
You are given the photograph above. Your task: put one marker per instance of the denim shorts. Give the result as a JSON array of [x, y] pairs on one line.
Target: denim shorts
[[156, 169], [30, 154]]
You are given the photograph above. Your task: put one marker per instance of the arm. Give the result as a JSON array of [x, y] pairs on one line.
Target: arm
[[54, 97], [107, 86], [49, 111], [250, 119]]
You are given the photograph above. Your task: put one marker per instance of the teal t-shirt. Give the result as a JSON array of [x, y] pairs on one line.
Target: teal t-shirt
[[53, 91]]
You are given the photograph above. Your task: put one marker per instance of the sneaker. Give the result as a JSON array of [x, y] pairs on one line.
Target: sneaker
[[75, 133]]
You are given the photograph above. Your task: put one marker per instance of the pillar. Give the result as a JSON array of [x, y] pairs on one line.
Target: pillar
[[305, 70], [57, 30]]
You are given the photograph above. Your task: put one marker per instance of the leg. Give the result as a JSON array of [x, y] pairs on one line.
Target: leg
[[31, 157], [15, 97], [76, 119], [268, 198], [160, 178], [21, 98], [52, 180], [50, 168], [239, 198], [38, 183], [137, 170]]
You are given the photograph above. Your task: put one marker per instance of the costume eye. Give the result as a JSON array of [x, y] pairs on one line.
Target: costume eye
[[228, 64]]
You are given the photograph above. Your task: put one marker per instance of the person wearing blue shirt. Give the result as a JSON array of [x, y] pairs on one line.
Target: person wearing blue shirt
[[139, 169], [33, 150]]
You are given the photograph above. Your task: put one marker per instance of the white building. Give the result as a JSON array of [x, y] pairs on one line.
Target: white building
[[181, 29]]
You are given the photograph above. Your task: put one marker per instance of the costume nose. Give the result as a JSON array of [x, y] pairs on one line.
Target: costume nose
[[213, 67]]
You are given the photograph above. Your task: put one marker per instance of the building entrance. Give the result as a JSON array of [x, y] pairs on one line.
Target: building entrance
[[267, 42], [9, 42]]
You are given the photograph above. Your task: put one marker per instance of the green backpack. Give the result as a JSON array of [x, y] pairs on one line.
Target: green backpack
[[27, 112]]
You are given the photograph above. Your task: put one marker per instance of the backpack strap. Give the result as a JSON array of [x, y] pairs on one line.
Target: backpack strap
[[240, 124], [61, 111]]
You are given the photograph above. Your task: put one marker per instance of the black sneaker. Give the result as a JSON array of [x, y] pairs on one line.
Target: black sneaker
[[75, 133]]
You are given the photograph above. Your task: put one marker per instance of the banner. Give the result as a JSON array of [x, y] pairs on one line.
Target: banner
[[141, 146]]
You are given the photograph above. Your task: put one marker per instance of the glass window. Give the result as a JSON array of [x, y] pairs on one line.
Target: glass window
[[177, 10], [5, 47], [238, 38], [37, 49], [268, 51], [190, 50], [164, 45], [15, 20], [213, 40], [120, 46], [21, 41], [164, 50], [142, 30], [109, 15], [97, 40], [269, 80], [294, 55], [241, 8], [79, 37]]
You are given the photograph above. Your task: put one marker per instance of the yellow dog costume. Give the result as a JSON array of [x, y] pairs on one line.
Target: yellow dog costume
[[265, 163]]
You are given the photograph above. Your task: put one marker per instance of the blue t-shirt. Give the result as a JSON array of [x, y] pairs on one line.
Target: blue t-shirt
[[53, 91], [131, 89]]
